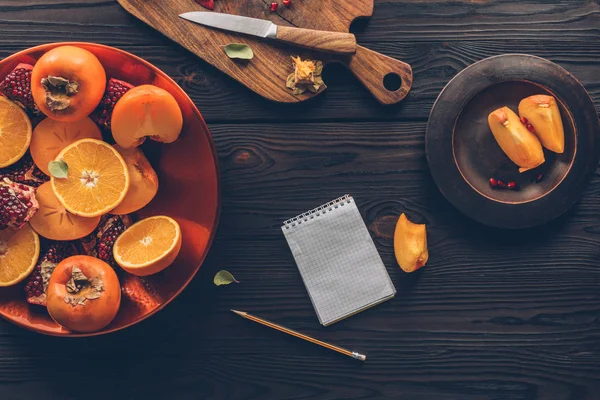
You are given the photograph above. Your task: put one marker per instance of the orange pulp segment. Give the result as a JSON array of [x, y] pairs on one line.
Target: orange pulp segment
[[148, 246], [15, 132], [97, 180], [19, 252]]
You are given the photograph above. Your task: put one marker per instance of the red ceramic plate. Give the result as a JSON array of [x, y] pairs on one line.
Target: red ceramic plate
[[188, 192]]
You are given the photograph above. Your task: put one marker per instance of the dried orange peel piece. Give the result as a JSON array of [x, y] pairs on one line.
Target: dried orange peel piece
[[410, 245]]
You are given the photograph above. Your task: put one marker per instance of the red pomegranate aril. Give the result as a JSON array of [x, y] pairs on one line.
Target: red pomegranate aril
[[530, 128], [539, 178], [512, 185], [493, 182], [115, 89], [209, 4], [37, 282], [501, 184], [17, 87], [274, 6], [524, 121], [14, 200], [287, 3]]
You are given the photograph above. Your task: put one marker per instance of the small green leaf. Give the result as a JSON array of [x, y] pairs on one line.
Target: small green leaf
[[224, 278], [58, 169], [238, 50]]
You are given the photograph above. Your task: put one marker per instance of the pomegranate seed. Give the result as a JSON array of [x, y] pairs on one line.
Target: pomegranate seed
[[530, 128], [512, 185], [287, 3], [493, 182], [524, 121], [274, 6], [539, 178], [501, 184]]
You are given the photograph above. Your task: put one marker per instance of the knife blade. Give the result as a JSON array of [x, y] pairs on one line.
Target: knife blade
[[332, 42]]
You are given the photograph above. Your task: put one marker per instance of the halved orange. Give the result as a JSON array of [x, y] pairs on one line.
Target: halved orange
[[53, 221], [97, 180], [15, 132], [19, 252], [51, 136], [148, 246]]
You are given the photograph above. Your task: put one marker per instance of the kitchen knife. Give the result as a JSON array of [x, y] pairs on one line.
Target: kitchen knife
[[331, 42]]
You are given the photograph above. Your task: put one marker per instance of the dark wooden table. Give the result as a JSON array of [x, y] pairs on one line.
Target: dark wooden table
[[494, 315]]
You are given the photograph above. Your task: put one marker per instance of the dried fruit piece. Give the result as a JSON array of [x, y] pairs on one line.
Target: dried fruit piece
[[209, 4], [19, 252], [37, 283], [24, 171], [84, 294], [100, 242], [98, 178], [115, 89], [148, 246], [144, 112], [51, 136], [542, 114], [67, 83], [306, 76], [143, 181], [54, 222], [410, 245], [17, 87], [17, 205], [15, 132], [520, 145]]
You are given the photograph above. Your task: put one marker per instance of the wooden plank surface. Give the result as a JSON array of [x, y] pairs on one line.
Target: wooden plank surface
[[493, 316]]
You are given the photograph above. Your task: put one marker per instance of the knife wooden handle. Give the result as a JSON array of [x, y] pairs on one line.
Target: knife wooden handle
[[331, 42], [372, 68]]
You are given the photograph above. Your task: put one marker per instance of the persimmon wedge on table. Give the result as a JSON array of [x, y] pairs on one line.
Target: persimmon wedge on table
[[67, 83], [51, 136], [54, 222], [19, 252], [83, 294], [144, 112], [97, 180], [148, 246], [15, 132]]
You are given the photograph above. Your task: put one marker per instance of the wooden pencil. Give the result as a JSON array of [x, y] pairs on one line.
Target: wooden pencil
[[283, 329]]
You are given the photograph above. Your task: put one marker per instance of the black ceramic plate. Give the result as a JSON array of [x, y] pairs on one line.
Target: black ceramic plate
[[463, 154]]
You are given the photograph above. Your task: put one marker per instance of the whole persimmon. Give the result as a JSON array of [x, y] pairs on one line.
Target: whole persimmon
[[84, 294], [146, 111], [67, 83]]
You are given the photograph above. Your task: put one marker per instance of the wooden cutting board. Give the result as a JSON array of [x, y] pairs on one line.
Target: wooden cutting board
[[266, 73]]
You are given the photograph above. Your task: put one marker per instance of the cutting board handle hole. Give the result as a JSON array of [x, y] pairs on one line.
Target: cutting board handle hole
[[392, 82]]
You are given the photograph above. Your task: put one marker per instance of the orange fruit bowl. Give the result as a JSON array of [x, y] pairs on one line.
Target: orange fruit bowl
[[188, 192]]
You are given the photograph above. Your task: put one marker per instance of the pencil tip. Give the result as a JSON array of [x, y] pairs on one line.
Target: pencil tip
[[240, 313]]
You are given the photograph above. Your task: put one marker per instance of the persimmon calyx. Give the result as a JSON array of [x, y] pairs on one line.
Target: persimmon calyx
[[58, 91], [80, 288]]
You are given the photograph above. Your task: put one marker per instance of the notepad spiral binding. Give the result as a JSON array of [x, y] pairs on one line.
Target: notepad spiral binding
[[315, 212]]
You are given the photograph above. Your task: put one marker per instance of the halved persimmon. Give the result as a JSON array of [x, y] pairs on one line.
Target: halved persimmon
[[144, 112], [53, 221], [51, 136], [15, 132], [143, 178], [148, 246], [97, 180], [67, 83], [19, 252]]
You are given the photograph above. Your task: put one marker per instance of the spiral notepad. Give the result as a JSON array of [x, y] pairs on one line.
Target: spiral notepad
[[339, 264]]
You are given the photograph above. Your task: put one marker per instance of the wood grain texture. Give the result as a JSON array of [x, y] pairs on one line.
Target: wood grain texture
[[267, 72], [491, 317], [333, 42]]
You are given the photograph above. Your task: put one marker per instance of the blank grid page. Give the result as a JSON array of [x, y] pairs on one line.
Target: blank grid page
[[338, 261]]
